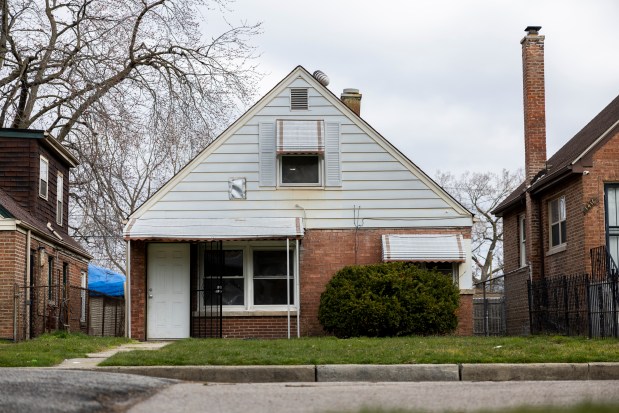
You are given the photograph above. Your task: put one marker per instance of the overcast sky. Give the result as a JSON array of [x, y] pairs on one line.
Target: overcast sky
[[442, 79]]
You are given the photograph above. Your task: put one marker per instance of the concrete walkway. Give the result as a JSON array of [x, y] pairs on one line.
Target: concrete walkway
[[93, 359], [347, 372]]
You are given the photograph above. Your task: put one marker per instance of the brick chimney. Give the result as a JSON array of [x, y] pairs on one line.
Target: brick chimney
[[534, 102], [352, 99]]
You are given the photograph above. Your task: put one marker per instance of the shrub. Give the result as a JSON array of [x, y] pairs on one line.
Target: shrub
[[390, 299]]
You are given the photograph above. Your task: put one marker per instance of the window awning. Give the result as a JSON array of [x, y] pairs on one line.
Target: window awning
[[424, 248], [300, 136], [213, 229]]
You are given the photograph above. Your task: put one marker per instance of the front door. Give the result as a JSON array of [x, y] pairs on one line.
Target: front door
[[167, 291], [612, 221]]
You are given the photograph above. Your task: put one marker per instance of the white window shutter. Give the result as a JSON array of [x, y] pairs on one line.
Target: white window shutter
[[333, 154], [266, 146]]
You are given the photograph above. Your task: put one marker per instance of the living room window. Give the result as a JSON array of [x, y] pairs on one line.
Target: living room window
[[253, 277], [43, 176], [558, 228], [269, 277], [522, 238]]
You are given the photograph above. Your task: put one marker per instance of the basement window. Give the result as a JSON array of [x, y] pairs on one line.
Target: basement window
[[298, 99]]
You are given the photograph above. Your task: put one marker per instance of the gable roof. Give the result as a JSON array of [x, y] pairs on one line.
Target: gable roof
[[47, 140], [561, 164], [9, 207], [298, 71]]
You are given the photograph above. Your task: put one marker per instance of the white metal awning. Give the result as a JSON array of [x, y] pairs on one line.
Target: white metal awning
[[213, 228], [424, 248], [300, 136]]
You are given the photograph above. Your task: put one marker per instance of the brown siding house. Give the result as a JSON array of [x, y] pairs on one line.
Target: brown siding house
[[36, 250], [568, 204]]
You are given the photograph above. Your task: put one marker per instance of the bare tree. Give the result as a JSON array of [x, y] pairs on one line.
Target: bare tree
[[133, 87], [481, 193]]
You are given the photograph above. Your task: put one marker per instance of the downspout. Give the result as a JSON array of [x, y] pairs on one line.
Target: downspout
[[288, 283], [128, 292], [298, 289]]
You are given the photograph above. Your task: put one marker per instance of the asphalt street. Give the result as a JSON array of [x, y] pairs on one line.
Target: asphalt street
[[48, 390], [350, 397]]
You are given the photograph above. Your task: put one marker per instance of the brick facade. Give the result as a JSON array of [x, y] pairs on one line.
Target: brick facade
[[21, 316], [322, 253]]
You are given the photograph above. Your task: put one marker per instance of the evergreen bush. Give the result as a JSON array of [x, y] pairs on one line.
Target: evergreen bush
[[390, 299]]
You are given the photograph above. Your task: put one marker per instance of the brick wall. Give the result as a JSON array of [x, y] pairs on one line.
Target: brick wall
[[517, 302], [322, 253], [138, 290], [13, 256]]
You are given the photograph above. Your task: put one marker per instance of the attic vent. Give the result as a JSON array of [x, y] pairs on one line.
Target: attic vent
[[298, 99]]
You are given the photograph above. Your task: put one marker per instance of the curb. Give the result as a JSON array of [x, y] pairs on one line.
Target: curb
[[378, 373]]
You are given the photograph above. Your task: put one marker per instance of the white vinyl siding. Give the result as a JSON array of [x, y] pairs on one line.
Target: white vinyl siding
[[359, 172]]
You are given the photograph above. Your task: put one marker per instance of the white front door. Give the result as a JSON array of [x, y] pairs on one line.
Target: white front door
[[167, 292]]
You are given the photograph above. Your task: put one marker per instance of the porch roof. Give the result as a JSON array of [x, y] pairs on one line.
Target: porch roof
[[213, 228], [424, 248]]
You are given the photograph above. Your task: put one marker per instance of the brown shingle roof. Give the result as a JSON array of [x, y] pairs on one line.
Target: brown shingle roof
[[8, 204], [561, 161]]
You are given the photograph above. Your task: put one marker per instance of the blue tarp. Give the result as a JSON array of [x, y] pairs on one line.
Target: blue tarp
[[104, 281]]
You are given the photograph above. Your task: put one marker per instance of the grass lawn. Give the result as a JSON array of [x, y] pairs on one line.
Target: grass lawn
[[51, 349], [401, 350]]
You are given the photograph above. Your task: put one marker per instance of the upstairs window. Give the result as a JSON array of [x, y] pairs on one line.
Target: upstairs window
[[522, 238], [43, 177], [300, 149], [300, 170], [558, 228], [59, 198], [298, 99]]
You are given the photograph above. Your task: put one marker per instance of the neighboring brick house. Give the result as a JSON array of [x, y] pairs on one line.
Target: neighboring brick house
[[35, 248], [302, 179], [568, 204]]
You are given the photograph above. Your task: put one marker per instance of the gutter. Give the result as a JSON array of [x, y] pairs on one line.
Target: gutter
[[54, 240]]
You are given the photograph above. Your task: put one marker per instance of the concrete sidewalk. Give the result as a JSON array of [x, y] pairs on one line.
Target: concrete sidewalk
[[349, 372], [93, 359]]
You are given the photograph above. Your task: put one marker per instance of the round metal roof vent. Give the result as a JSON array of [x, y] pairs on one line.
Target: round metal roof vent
[[321, 77]]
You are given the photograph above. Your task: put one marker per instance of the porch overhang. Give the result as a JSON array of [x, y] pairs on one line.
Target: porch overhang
[[213, 229], [423, 248]]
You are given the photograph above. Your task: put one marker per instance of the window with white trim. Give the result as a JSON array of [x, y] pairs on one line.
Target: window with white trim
[[300, 149], [59, 198], [522, 238], [43, 176], [558, 227], [450, 269], [254, 277]]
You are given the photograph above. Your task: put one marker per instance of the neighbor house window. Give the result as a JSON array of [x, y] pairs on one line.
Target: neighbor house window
[[50, 278], [522, 238], [59, 198], [558, 229], [43, 176], [83, 297]]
